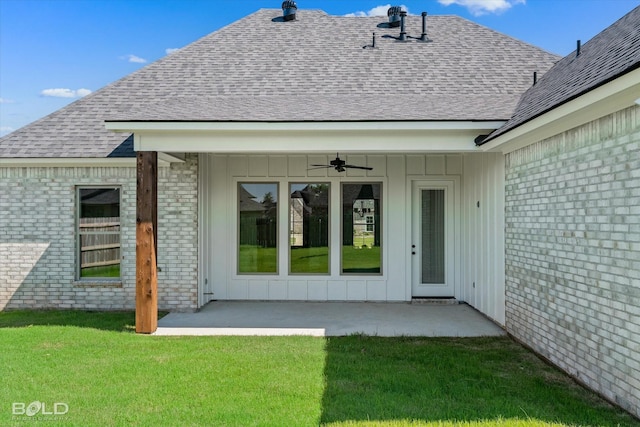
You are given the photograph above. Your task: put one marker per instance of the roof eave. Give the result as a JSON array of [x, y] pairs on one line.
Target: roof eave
[[613, 96], [306, 137]]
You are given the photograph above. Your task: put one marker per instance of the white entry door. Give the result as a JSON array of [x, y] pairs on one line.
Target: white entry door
[[433, 239]]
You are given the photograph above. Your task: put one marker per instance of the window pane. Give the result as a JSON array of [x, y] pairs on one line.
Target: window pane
[[361, 228], [258, 228], [309, 228], [99, 232], [433, 236]]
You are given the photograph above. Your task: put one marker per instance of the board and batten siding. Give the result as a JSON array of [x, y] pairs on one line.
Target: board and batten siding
[[483, 268], [220, 174]]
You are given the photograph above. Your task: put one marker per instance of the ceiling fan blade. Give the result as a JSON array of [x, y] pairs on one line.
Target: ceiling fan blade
[[313, 167], [358, 167]]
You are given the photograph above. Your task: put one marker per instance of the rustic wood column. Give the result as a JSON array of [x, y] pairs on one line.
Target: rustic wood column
[[146, 243]]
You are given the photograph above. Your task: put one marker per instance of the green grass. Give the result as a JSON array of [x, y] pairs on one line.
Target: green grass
[[256, 259], [109, 376], [110, 271], [361, 260], [310, 260]]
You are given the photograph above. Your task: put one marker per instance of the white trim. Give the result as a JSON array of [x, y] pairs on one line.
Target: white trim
[[611, 97], [164, 160], [307, 137], [125, 126], [281, 142], [453, 260]]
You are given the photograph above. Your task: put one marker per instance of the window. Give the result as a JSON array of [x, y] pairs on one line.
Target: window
[[361, 228], [258, 228], [309, 228], [370, 224], [98, 233]]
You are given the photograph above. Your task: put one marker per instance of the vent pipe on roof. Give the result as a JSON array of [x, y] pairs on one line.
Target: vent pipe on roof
[[423, 37], [373, 43], [535, 77], [403, 33], [289, 9], [394, 16], [578, 48]]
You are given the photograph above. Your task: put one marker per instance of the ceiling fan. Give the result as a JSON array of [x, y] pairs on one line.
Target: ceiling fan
[[340, 165]]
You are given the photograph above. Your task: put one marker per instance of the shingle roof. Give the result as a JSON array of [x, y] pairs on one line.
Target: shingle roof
[[609, 55], [313, 69]]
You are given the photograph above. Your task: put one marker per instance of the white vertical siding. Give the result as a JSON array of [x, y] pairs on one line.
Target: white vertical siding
[[479, 244], [483, 234]]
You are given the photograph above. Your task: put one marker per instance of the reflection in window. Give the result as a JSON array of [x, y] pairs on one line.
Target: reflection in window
[[309, 228], [258, 227], [99, 233], [361, 228]]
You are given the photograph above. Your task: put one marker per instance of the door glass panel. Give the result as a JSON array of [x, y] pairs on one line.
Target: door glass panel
[[433, 230], [361, 228], [258, 227], [309, 228]]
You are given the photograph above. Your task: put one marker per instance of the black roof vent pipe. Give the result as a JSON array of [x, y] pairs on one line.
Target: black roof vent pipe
[[394, 16], [578, 46], [403, 32], [423, 37], [289, 9]]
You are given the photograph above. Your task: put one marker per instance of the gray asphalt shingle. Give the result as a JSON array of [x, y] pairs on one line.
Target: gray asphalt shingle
[[313, 69], [610, 54]]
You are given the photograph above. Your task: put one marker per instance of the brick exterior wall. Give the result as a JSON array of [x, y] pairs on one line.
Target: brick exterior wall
[[573, 253], [37, 238]]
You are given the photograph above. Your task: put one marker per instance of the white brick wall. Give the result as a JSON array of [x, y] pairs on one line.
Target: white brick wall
[[573, 252], [37, 238]]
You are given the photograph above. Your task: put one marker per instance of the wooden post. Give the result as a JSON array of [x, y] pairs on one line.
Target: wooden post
[[146, 243]]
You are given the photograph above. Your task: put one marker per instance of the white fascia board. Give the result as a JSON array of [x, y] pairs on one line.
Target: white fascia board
[[76, 162], [133, 127], [308, 137], [609, 98]]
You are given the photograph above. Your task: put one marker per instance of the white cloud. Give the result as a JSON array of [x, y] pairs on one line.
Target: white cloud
[[6, 101], [65, 93], [483, 7], [170, 50], [376, 11], [82, 92], [135, 59], [4, 130]]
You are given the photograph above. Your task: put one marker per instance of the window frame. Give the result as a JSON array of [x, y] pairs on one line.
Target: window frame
[[378, 225], [79, 234], [238, 226], [289, 225]]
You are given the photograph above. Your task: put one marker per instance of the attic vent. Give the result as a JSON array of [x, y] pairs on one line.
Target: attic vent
[[289, 9], [394, 16]]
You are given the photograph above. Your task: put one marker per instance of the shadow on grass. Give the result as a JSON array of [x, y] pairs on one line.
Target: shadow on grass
[[119, 321], [373, 379]]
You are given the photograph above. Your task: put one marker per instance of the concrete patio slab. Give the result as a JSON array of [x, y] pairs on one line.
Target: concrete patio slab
[[330, 319]]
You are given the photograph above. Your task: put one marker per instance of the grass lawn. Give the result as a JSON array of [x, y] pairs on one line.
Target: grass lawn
[[108, 271], [109, 376], [361, 260], [310, 260], [255, 259]]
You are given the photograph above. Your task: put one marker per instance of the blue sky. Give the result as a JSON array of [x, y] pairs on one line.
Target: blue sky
[[53, 52]]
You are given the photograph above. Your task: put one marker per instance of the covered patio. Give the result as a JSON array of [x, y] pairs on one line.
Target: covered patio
[[268, 318]]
